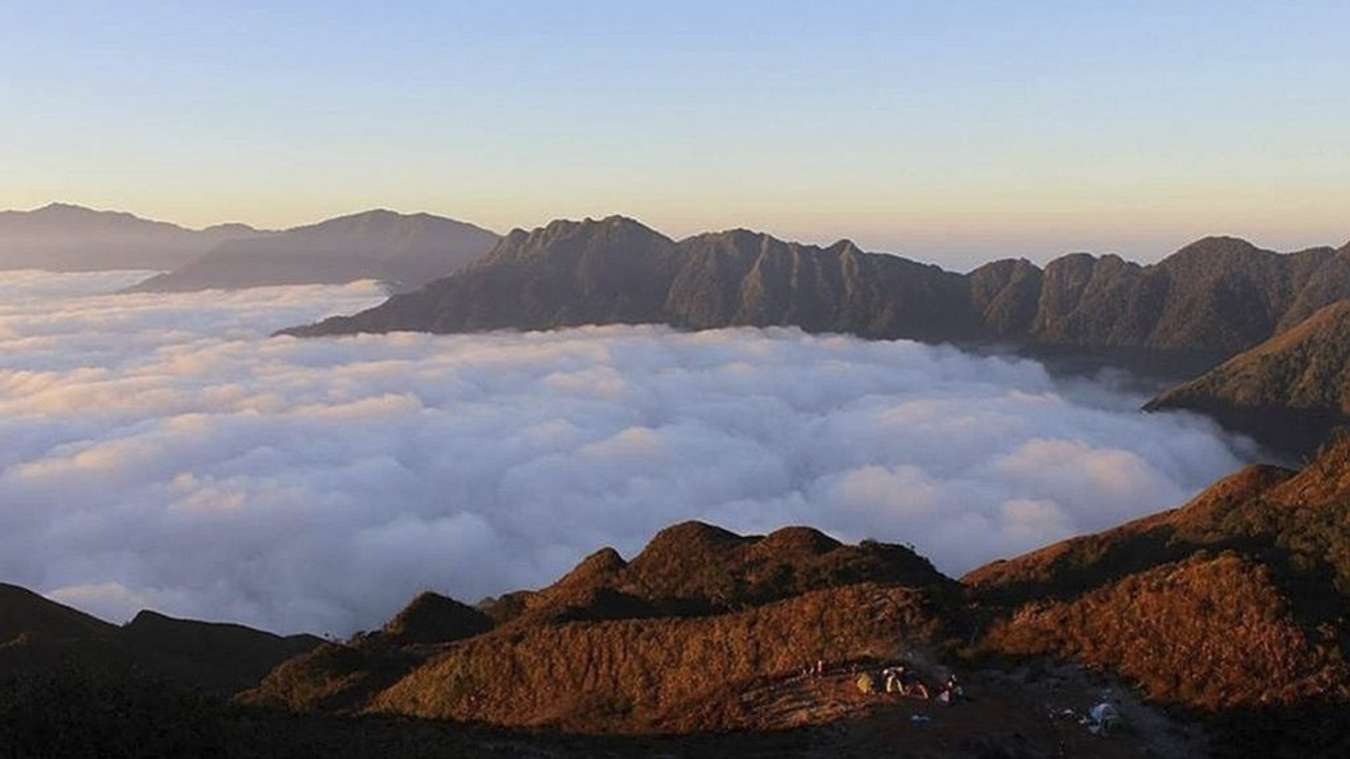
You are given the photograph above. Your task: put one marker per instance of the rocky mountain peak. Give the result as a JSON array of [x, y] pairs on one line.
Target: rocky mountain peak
[[434, 618]]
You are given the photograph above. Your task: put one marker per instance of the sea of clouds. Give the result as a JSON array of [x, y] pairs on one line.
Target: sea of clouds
[[161, 451]]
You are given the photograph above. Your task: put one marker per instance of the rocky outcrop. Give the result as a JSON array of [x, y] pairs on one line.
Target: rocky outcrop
[[433, 618]]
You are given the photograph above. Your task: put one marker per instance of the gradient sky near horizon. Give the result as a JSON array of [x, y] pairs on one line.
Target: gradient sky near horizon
[[949, 132]]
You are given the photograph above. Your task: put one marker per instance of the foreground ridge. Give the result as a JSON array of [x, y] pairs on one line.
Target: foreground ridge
[[1216, 627]]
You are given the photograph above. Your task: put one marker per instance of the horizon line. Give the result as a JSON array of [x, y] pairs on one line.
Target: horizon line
[[1056, 253]]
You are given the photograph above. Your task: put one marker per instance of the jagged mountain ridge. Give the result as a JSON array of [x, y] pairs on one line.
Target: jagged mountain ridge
[[618, 271], [64, 237], [403, 250], [1218, 295]]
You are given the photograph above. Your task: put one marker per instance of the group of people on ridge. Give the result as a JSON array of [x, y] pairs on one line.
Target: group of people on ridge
[[904, 681]]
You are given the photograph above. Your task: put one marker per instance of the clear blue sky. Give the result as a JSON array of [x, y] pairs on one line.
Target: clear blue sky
[[949, 131]]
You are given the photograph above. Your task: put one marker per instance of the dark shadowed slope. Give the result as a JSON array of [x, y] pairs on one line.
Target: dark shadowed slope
[[1289, 391], [61, 237], [25, 614], [214, 656], [406, 251], [1217, 296], [37, 633], [433, 618]]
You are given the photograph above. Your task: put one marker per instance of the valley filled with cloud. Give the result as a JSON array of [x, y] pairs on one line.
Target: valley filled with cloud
[[162, 451]]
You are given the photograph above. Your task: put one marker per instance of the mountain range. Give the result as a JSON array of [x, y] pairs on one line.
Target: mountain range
[[404, 251], [1179, 318], [63, 237], [1210, 300], [1218, 295], [1186, 314], [1219, 628]]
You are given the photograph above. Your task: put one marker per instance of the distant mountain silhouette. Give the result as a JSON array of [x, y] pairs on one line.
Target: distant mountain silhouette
[[1217, 296], [1290, 390], [63, 237], [36, 633], [405, 251]]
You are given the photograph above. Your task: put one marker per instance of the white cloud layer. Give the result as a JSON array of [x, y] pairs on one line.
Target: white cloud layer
[[161, 451]]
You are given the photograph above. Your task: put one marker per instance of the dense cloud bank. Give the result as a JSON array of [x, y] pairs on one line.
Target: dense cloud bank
[[160, 451]]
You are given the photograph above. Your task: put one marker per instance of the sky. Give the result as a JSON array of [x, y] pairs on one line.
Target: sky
[[161, 451], [949, 132]]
